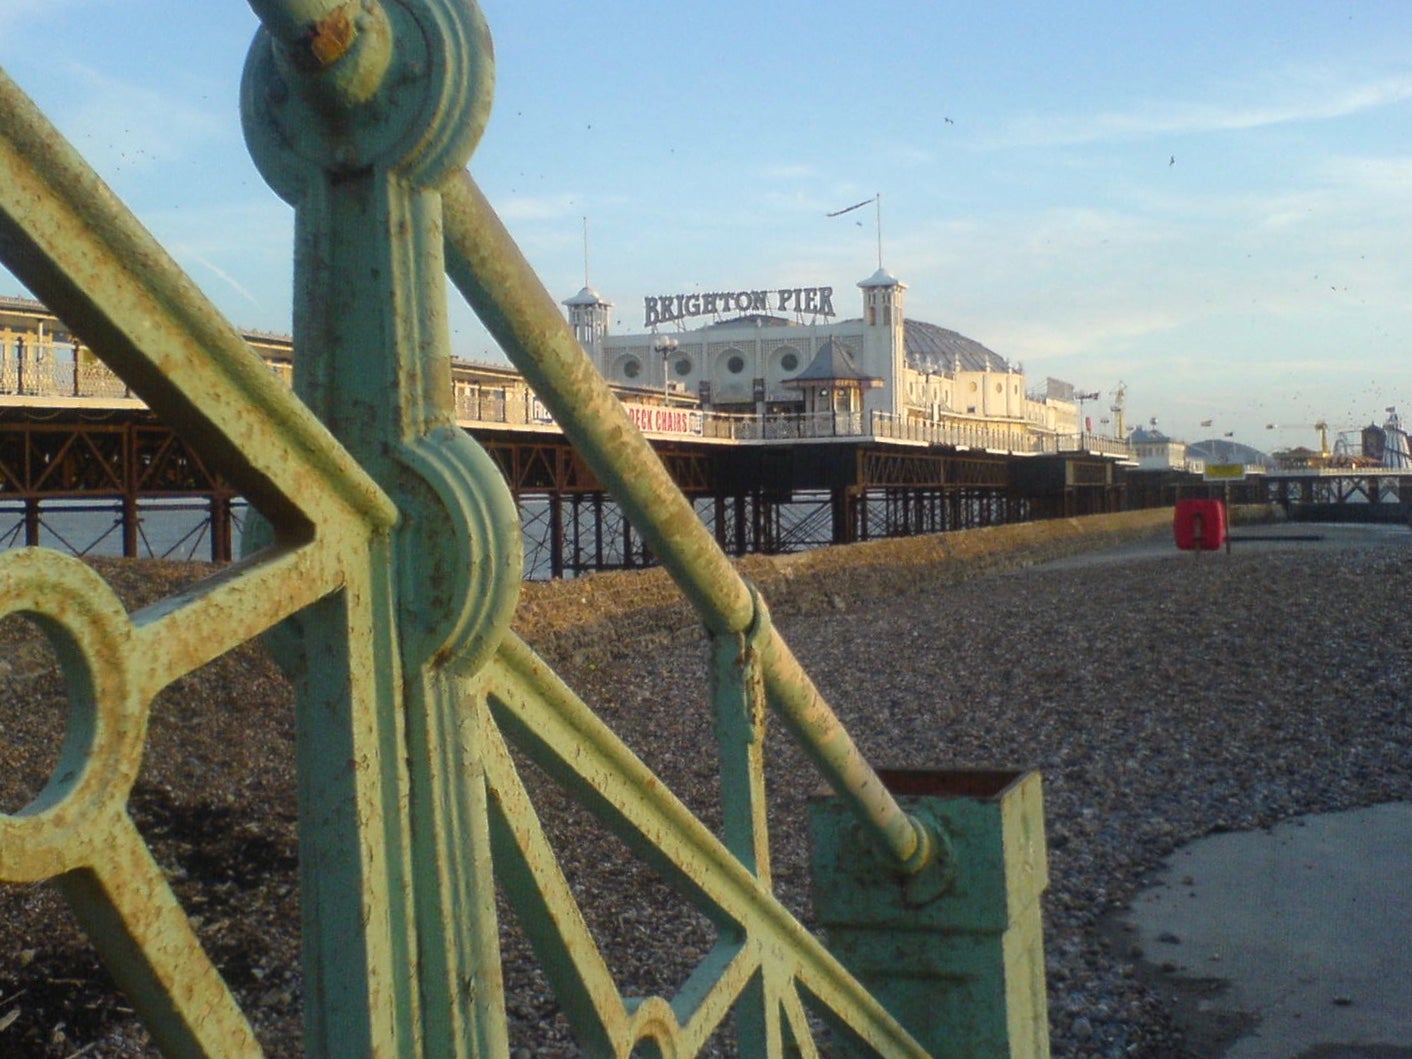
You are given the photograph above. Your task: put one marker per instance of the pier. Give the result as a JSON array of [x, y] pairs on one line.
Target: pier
[[74, 439], [77, 446]]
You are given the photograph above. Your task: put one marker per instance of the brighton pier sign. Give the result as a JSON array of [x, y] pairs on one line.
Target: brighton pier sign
[[808, 301]]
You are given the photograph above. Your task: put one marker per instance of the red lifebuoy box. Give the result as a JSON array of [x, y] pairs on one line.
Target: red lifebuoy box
[[1200, 525]]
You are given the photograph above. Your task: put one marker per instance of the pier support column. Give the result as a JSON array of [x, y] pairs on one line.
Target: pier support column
[[556, 534], [958, 959], [221, 535], [32, 522], [130, 523], [846, 505]]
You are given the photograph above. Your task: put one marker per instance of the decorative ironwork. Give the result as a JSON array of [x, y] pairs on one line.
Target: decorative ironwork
[[386, 570]]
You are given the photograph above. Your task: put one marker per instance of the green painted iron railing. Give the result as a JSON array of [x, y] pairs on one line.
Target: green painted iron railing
[[387, 578]]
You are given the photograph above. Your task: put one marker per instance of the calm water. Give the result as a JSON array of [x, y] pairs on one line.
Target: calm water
[[168, 529], [179, 529]]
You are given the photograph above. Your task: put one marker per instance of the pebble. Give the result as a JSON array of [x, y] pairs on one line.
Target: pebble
[[1151, 727], [1161, 700]]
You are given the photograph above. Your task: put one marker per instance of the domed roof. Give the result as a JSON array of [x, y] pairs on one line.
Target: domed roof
[[935, 349], [881, 278], [587, 296]]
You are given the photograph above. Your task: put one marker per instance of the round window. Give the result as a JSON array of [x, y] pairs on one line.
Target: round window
[[736, 364], [632, 369], [973, 387], [683, 366], [789, 361], [999, 387]]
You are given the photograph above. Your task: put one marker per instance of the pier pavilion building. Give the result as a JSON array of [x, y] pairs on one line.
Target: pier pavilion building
[[817, 433], [769, 353]]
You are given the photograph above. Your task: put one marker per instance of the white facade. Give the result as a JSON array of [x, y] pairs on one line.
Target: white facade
[[1155, 451], [927, 374]]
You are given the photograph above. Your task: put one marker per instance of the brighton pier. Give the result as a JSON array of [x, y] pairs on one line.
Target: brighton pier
[[77, 445]]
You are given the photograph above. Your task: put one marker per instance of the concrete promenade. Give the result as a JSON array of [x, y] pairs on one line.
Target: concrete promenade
[[1296, 939], [1309, 923]]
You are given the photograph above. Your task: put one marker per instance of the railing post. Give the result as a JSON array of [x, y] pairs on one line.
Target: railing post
[[955, 951], [357, 114]]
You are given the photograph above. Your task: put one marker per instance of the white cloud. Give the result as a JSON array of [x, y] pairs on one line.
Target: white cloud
[[786, 171], [538, 207], [1311, 99], [121, 127], [1369, 175], [19, 15]]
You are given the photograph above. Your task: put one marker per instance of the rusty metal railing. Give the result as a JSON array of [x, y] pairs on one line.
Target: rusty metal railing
[[388, 574]]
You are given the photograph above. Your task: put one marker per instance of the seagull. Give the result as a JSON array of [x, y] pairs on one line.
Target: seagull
[[1172, 160]]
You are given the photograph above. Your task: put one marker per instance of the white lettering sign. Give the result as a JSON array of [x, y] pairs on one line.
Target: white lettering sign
[[809, 301], [655, 419]]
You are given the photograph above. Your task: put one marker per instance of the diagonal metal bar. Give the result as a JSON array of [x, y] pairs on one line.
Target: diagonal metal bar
[[488, 268], [718, 982], [566, 738], [544, 902], [189, 629], [72, 243], [793, 1010], [127, 907]]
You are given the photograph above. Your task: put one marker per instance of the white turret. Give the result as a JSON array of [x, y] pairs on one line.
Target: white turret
[[588, 316], [884, 343]]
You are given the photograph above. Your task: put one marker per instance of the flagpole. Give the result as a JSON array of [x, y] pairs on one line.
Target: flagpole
[[877, 198]]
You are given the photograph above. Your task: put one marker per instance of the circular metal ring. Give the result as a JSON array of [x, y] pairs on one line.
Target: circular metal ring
[[65, 824]]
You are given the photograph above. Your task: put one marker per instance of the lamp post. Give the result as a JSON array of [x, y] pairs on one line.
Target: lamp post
[[666, 345]]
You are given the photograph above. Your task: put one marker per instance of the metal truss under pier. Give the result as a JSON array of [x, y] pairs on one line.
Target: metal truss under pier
[[125, 464], [117, 466], [774, 499], [1363, 494], [1322, 494]]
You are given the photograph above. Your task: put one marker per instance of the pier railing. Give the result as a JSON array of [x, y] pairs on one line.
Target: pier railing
[[45, 368], [386, 574]]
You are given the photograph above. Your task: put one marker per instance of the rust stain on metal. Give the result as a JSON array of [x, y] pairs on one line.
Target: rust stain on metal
[[327, 40]]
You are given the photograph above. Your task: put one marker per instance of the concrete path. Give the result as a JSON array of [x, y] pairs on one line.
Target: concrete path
[[1278, 536], [1310, 923]]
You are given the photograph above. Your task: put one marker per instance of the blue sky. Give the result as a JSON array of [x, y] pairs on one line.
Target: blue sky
[[1210, 202]]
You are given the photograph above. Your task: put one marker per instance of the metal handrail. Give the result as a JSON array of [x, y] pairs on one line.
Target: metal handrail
[[388, 571], [527, 323]]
